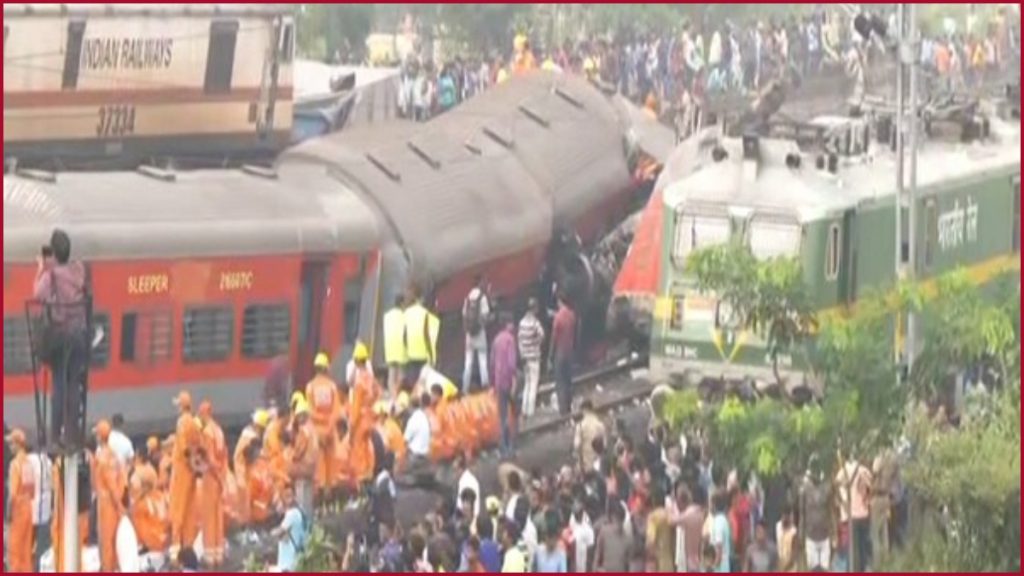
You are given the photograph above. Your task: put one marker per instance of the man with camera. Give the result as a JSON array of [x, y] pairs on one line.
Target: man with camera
[[60, 338]]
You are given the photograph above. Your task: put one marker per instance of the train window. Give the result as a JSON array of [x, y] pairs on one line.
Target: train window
[[266, 330], [694, 232], [833, 250], [73, 54], [17, 346], [1015, 242], [771, 239], [931, 231], [101, 339], [208, 333], [145, 337], [220, 57]]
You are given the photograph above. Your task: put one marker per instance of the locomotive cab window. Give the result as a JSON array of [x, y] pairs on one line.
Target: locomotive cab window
[[220, 59], [208, 334], [695, 232], [17, 346], [931, 232], [145, 337], [72, 54], [266, 330], [833, 249]]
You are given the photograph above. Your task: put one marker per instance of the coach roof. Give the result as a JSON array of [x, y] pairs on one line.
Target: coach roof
[[209, 213]]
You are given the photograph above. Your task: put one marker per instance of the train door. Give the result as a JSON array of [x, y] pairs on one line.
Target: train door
[[313, 292]]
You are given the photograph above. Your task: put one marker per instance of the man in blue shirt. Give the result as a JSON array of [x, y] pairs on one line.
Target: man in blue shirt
[[291, 534], [721, 533]]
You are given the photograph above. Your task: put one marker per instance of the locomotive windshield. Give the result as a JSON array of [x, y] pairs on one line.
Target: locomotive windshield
[[772, 239], [693, 232]]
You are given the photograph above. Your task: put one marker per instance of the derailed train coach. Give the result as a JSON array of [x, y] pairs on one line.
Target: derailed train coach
[[201, 278]]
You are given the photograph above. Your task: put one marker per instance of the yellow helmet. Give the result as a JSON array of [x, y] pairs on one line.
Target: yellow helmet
[[322, 361], [261, 418], [380, 408], [361, 353], [297, 397], [519, 42], [402, 402], [302, 407]]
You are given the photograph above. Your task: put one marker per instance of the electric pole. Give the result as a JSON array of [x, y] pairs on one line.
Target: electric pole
[[906, 172]]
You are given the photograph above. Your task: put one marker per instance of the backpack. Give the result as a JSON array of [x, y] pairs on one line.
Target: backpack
[[472, 319]]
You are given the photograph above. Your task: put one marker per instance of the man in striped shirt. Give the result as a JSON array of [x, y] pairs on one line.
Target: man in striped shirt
[[531, 340]]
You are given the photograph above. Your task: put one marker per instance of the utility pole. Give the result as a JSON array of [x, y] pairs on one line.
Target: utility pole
[[906, 192]]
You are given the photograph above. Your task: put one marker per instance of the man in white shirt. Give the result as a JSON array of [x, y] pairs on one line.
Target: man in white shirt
[[467, 481], [42, 502], [476, 313], [120, 443], [417, 433]]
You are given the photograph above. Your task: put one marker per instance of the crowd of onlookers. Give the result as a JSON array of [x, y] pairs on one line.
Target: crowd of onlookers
[[669, 72]]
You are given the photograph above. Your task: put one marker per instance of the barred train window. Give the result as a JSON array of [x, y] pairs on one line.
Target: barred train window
[[833, 249], [146, 337], [266, 330], [17, 348], [208, 333]]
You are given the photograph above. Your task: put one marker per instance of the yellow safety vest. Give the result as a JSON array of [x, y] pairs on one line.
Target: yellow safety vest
[[394, 337], [433, 330], [416, 346]]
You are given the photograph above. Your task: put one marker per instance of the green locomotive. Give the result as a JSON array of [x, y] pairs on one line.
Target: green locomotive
[[834, 209]]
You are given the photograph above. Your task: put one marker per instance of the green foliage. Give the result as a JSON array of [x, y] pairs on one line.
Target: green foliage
[[768, 297], [325, 28], [972, 473], [320, 554], [963, 329]]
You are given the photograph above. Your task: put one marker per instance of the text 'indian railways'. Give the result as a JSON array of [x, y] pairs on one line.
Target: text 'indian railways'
[[127, 53]]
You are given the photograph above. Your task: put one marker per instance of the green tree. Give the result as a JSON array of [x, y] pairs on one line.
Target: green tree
[[768, 297], [326, 28]]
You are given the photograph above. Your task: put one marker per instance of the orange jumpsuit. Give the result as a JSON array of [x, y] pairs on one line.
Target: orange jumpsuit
[[184, 512], [260, 489], [394, 441], [305, 453], [163, 473], [150, 518], [143, 479], [345, 477], [22, 484], [248, 436], [361, 423], [325, 406], [211, 491], [111, 482], [275, 454]]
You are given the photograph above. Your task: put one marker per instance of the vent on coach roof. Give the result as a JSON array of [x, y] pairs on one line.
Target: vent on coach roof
[[575, 102], [502, 139], [532, 115], [422, 155], [157, 173], [260, 171], [391, 174]]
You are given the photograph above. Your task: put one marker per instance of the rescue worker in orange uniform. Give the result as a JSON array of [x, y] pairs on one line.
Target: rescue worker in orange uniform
[[111, 482], [522, 58], [183, 497], [22, 485], [323, 396], [251, 436], [211, 486], [149, 513], [391, 432], [273, 453], [361, 420], [304, 457], [142, 471], [165, 463]]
